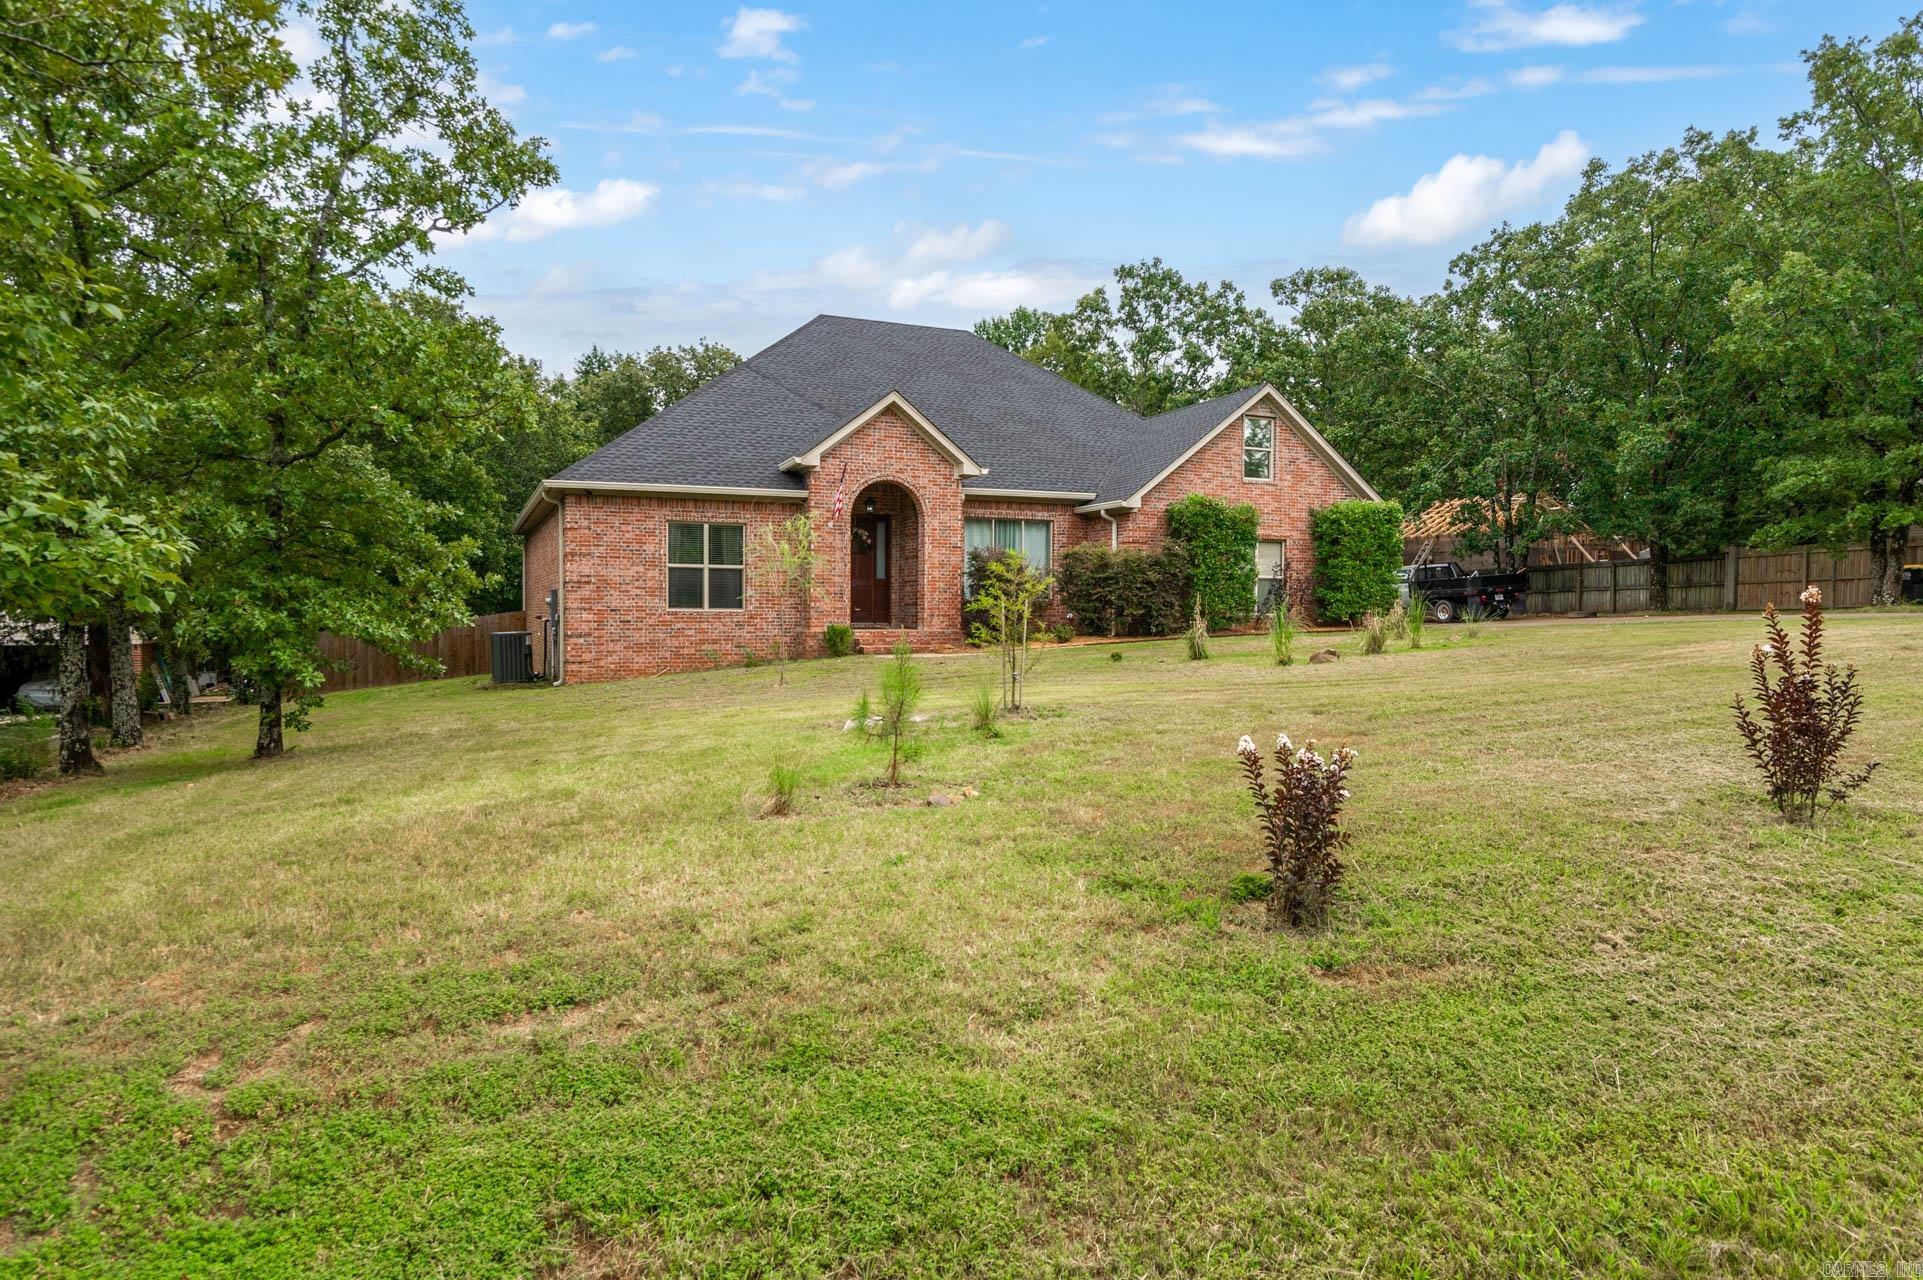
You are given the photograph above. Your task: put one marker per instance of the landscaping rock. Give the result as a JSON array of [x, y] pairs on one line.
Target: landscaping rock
[[1325, 655]]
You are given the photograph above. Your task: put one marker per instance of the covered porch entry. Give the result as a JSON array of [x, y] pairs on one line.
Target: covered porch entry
[[884, 559]]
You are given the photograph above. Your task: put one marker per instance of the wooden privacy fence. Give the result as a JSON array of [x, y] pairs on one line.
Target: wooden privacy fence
[[1737, 579], [462, 650]]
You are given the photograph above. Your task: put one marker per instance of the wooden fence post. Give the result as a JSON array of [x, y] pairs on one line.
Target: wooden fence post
[[1732, 560]]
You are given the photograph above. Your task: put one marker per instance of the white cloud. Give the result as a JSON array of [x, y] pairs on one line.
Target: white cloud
[[639, 122], [1467, 193], [928, 271], [1502, 24], [770, 191], [1456, 90], [961, 243], [498, 36], [498, 92], [571, 30], [836, 174], [1300, 135], [1534, 77], [1648, 75], [757, 33], [542, 213], [769, 84], [617, 53], [1034, 42], [302, 40], [750, 131], [1349, 79]]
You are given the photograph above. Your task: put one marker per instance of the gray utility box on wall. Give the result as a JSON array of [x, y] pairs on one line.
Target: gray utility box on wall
[[512, 657]]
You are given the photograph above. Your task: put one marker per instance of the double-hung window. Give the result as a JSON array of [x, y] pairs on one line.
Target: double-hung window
[[704, 566], [1271, 575], [1030, 537], [1258, 448]]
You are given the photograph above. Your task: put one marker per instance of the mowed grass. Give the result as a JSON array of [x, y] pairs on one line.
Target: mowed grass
[[506, 983]]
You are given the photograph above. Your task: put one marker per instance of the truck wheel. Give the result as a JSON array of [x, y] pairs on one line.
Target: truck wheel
[[1445, 611]]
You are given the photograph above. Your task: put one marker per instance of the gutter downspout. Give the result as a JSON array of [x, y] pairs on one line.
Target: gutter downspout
[[560, 590], [1114, 530]]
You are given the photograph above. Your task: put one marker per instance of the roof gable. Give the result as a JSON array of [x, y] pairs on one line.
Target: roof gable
[[810, 458]]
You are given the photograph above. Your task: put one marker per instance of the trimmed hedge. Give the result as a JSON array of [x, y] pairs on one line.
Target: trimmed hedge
[[1358, 548], [1126, 592], [1220, 540]]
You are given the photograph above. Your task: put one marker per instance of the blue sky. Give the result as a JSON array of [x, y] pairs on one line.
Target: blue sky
[[728, 172]]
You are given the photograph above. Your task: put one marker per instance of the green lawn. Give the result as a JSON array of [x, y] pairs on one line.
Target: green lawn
[[510, 983]]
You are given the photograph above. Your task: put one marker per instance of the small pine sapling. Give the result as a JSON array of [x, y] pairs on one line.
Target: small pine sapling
[[900, 692]]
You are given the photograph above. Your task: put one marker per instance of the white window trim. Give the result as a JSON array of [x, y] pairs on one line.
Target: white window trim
[[1282, 577], [706, 566], [1268, 469]]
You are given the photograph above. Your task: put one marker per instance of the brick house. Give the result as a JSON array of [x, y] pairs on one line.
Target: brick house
[[910, 445]]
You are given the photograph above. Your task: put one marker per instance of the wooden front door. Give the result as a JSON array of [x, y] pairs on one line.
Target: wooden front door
[[868, 594]]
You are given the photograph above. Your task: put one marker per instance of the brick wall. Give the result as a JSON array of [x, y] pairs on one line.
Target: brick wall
[[615, 603], [540, 574], [1303, 483], [888, 448]]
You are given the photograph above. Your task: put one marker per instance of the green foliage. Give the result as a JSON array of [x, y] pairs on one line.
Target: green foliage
[[1196, 638], [1376, 629], [783, 781], [900, 694], [1161, 342], [1127, 592], [26, 746], [1358, 548], [985, 713], [147, 689], [1415, 617], [1002, 612], [787, 557], [1219, 539], [838, 639], [613, 392], [1282, 628]]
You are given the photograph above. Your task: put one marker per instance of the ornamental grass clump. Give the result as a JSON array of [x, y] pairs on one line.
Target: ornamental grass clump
[[1375, 633], [1415, 617], [1197, 636], [1282, 633], [1300, 816], [1803, 718]]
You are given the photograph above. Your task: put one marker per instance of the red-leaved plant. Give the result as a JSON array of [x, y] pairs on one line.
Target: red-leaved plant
[[1300, 826], [1802, 718]]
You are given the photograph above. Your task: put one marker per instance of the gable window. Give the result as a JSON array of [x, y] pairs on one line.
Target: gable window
[[1030, 537], [704, 566], [1258, 448]]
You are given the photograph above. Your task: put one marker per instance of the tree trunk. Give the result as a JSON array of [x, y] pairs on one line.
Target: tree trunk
[[123, 698], [1658, 577], [270, 743], [76, 740], [179, 691], [1886, 565]]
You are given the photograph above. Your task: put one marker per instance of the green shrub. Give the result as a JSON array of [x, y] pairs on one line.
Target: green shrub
[[147, 690], [1114, 655], [1126, 592], [1220, 540], [1358, 548], [838, 639]]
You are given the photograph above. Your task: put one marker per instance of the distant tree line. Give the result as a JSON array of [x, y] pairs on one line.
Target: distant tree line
[[1717, 343]]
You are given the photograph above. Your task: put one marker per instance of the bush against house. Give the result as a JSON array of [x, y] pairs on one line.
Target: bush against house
[[1358, 548], [1126, 592], [1219, 539]]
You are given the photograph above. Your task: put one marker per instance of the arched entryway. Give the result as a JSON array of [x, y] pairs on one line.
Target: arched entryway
[[884, 558]]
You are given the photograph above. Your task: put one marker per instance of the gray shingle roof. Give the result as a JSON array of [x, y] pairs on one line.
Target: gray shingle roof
[[1029, 428]]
